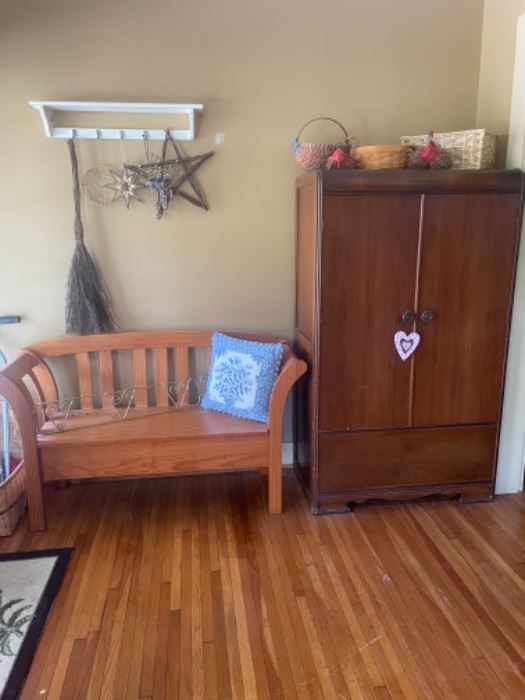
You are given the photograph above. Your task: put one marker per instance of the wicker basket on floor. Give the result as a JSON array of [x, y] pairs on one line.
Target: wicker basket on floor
[[380, 157], [470, 150], [12, 500]]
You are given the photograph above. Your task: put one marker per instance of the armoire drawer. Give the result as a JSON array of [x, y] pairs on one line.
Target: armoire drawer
[[408, 457]]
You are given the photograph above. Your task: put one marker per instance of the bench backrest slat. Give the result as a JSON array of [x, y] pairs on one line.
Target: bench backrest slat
[[85, 380], [183, 348], [182, 373], [106, 377], [160, 362], [140, 377], [72, 344]]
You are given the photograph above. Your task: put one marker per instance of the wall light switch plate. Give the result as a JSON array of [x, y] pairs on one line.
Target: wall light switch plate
[[219, 138]]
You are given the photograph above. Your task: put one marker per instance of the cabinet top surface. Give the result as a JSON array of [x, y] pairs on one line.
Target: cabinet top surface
[[339, 181]]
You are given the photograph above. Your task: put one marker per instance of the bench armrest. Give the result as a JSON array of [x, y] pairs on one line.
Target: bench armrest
[[13, 389], [23, 408], [292, 369]]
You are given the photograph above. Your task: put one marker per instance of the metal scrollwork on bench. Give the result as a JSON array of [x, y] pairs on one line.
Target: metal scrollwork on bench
[[65, 414]]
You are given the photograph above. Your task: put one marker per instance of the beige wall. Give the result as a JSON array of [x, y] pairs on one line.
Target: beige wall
[[497, 67], [384, 68]]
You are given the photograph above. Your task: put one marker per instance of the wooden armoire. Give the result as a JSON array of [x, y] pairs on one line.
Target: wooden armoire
[[428, 253]]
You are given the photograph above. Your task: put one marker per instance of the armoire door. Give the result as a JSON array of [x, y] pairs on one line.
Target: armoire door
[[465, 288], [369, 254]]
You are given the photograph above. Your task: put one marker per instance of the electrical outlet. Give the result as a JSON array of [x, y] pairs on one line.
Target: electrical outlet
[[219, 138]]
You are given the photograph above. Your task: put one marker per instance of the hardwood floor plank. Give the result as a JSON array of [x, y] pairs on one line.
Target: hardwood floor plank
[[393, 590], [73, 668], [174, 656], [58, 626], [277, 654], [318, 597], [485, 614], [160, 679], [210, 672], [239, 608], [185, 648], [131, 566], [148, 661], [446, 602], [84, 674], [230, 621], [186, 588], [104, 645], [220, 648], [197, 643], [115, 642], [280, 554]]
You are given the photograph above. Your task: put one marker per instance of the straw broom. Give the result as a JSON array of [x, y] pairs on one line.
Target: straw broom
[[88, 306]]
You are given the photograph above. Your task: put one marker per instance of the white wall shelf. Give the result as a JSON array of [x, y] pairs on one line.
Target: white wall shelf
[[48, 111]]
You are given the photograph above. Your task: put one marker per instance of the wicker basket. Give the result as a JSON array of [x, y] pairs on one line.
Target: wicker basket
[[12, 500], [469, 150], [311, 156], [379, 157]]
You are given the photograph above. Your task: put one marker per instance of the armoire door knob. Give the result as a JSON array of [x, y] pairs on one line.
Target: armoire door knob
[[426, 316], [408, 316]]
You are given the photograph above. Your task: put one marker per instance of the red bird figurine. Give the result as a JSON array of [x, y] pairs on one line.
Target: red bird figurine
[[430, 156], [338, 159], [430, 152]]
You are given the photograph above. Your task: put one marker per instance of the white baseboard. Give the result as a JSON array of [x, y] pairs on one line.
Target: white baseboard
[[287, 454]]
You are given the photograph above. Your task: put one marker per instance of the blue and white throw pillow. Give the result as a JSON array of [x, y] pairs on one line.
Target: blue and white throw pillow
[[242, 375]]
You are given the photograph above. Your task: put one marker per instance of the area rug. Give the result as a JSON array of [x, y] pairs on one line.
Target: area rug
[[29, 584]]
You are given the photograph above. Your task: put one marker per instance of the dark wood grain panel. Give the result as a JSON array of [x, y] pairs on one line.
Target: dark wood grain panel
[[306, 259], [453, 181], [391, 458], [368, 273], [467, 269]]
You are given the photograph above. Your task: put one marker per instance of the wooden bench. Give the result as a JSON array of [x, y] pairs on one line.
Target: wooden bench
[[156, 438]]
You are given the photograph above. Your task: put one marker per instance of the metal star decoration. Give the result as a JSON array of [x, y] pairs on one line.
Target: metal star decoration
[[165, 178], [125, 185]]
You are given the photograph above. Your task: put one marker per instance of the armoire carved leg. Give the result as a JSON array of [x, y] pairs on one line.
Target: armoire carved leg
[[477, 493]]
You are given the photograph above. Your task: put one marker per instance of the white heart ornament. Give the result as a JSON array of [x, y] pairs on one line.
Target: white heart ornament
[[406, 345]]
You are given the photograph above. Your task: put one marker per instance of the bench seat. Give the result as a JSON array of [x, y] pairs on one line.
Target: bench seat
[[153, 441], [154, 423]]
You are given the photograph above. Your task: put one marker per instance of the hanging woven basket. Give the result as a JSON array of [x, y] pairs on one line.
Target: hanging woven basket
[[311, 156]]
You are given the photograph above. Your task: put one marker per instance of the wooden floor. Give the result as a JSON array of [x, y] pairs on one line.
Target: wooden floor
[[186, 588]]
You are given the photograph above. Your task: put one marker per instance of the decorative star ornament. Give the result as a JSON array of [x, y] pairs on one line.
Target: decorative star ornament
[[125, 184], [165, 177], [189, 167]]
